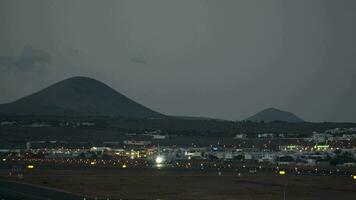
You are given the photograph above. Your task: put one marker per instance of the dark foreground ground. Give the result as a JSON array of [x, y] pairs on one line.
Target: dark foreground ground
[[190, 184], [10, 190]]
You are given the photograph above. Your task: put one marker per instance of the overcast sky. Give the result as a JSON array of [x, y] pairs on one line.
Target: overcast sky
[[223, 59]]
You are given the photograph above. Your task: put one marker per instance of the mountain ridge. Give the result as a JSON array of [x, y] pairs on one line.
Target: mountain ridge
[[274, 114], [78, 95]]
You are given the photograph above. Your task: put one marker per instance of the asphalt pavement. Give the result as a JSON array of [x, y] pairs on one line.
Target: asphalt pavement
[[18, 191]]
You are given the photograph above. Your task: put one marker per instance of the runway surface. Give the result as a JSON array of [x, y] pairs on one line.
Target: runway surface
[[18, 191]]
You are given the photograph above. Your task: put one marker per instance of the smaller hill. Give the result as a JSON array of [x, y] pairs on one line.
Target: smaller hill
[[273, 114]]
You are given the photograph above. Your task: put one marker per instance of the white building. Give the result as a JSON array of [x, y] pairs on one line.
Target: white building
[[159, 137], [265, 135], [320, 137], [240, 136]]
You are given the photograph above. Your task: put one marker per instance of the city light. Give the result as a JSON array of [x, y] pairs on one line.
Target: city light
[[30, 166], [124, 166], [282, 172], [159, 159], [354, 177]]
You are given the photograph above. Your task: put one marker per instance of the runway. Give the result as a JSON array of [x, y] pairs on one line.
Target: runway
[[17, 191]]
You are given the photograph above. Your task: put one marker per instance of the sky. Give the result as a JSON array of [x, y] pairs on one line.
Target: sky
[[224, 59]]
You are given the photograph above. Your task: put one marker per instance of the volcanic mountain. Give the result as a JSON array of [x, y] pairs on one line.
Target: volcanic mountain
[[78, 96], [273, 114]]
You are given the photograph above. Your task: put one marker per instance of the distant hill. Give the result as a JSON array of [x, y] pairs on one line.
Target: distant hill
[[80, 96], [197, 118], [273, 114]]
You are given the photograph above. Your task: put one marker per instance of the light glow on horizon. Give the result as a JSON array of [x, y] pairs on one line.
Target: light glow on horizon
[[159, 159]]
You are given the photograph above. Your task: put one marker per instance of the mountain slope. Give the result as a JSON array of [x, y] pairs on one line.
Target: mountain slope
[[78, 96], [273, 114]]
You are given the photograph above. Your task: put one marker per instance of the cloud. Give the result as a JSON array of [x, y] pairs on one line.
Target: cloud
[[30, 59], [76, 53], [139, 58], [6, 62]]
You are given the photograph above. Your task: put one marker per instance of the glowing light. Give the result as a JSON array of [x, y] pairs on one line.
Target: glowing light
[[282, 172], [30, 166], [4, 159], [124, 166], [159, 159], [92, 163], [321, 146], [354, 177]]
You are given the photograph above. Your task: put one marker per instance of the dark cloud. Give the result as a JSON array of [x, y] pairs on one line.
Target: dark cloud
[[6, 62], [76, 53], [139, 59], [29, 59]]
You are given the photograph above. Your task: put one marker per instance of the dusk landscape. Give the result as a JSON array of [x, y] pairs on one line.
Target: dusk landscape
[[171, 100]]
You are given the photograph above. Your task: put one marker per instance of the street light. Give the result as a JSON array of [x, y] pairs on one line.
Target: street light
[[159, 159]]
